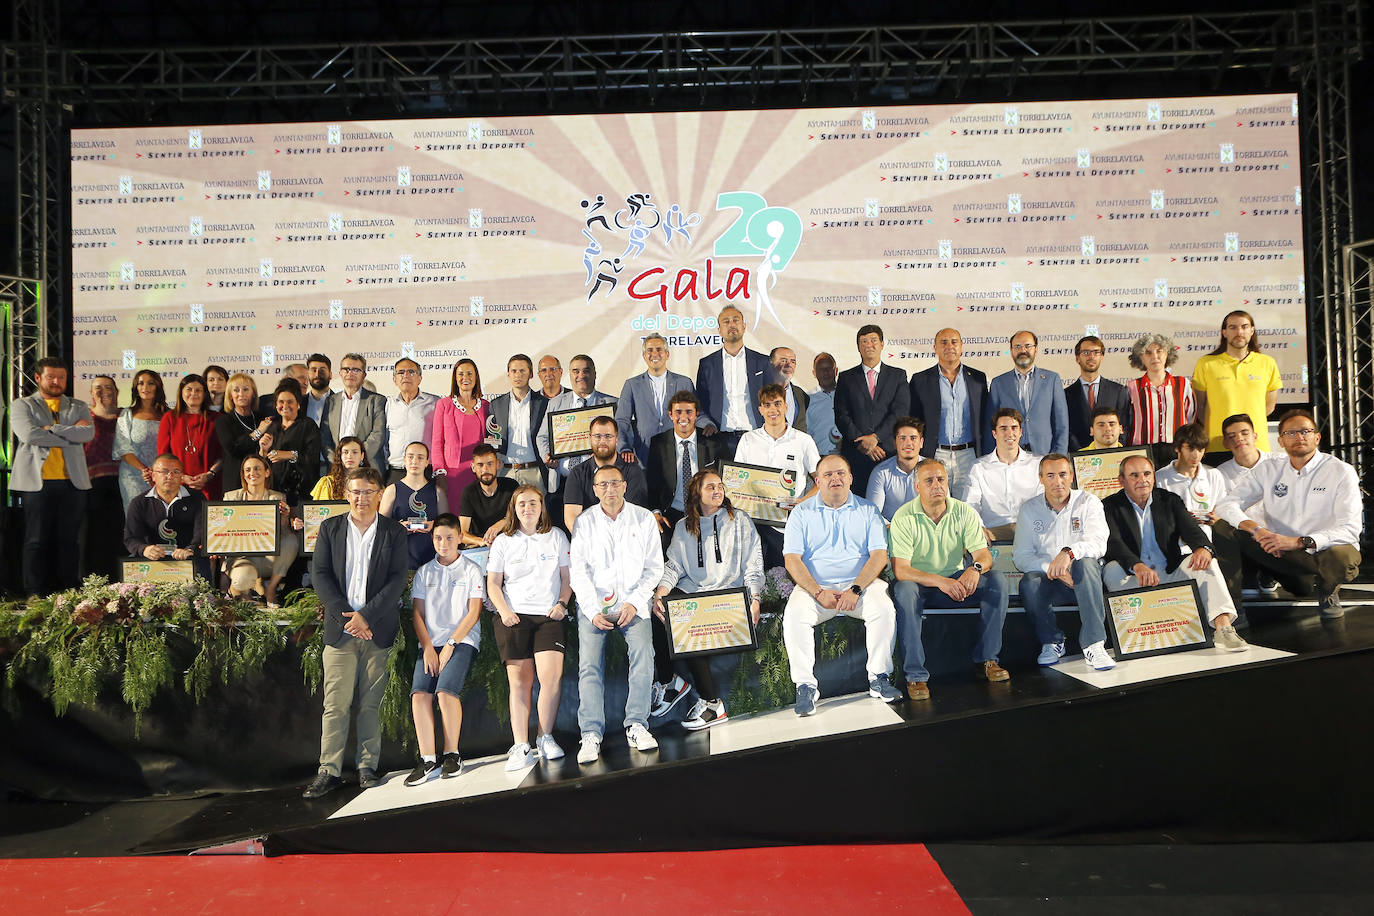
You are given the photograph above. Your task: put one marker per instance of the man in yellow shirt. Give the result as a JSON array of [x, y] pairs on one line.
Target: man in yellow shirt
[[1236, 378], [49, 473]]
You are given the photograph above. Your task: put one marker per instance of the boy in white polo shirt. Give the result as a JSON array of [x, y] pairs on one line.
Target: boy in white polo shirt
[[447, 598]]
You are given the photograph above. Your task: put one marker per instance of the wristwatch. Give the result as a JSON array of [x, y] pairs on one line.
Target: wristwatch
[[1069, 551], [980, 567], [1308, 543], [856, 590]]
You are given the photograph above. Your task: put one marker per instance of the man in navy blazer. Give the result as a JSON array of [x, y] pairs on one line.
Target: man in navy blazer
[[954, 433], [519, 455], [1037, 393], [642, 411], [729, 400], [1091, 391], [361, 621], [869, 398]]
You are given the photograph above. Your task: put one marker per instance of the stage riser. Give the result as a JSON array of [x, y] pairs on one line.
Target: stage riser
[[1254, 754]]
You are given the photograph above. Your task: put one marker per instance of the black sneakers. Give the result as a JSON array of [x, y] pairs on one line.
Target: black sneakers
[[322, 786], [368, 778], [423, 770], [451, 765]]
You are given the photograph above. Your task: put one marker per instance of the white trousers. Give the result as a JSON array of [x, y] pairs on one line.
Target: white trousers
[[1216, 599], [802, 615]]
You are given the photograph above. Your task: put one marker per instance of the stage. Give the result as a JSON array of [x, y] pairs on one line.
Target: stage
[[1212, 747]]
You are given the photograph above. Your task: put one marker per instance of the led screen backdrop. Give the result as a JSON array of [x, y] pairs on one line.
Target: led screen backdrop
[[254, 245]]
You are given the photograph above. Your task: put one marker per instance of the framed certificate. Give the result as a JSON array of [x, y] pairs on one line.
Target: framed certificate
[[1098, 470], [141, 569], [757, 490], [313, 512], [709, 623], [1157, 620], [570, 430], [1002, 563], [243, 529]]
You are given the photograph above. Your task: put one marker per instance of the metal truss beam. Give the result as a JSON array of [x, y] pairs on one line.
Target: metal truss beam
[[899, 62], [1358, 277]]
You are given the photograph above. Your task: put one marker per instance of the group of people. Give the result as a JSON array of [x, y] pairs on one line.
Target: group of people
[[900, 482]]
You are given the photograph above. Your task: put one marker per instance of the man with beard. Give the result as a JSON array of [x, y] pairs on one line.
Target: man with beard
[[1037, 393], [578, 493], [482, 507], [321, 372], [1236, 378], [728, 382], [1091, 391]]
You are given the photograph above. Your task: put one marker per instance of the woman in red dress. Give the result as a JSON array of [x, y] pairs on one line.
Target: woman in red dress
[[460, 423], [188, 432]]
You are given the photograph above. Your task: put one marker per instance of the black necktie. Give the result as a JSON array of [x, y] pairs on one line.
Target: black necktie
[[686, 469]]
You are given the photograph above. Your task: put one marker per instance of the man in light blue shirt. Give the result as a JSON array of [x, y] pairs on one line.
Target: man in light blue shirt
[[893, 482], [820, 412], [834, 548]]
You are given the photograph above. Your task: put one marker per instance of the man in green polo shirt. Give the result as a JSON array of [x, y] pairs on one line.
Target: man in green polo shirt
[[941, 559], [1236, 378]]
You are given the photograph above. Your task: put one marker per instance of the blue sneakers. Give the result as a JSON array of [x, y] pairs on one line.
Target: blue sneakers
[[1050, 653], [882, 688], [806, 700]]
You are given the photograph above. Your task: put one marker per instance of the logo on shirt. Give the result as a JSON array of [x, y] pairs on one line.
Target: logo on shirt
[[1039, 526], [1280, 490], [1075, 524]]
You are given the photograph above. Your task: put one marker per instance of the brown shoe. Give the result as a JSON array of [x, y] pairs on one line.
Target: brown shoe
[[917, 690], [991, 671]]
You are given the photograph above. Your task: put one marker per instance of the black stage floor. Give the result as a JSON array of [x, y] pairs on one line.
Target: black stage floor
[[1269, 750]]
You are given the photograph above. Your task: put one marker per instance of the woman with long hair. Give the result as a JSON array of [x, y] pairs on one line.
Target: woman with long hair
[[415, 501], [460, 423], [529, 585], [714, 546], [1161, 402], [239, 427], [292, 444], [348, 455], [242, 571], [135, 441], [188, 431]]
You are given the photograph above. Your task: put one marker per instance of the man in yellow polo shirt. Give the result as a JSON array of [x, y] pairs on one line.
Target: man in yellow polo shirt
[[929, 539], [1236, 378]]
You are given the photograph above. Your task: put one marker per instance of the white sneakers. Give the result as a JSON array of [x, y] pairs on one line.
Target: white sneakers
[[1098, 657], [591, 748], [639, 738], [1228, 639], [519, 757], [547, 748]]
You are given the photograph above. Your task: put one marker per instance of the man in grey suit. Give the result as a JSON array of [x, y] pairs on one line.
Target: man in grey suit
[[49, 473], [354, 411], [583, 394], [784, 361], [359, 572], [642, 411], [1037, 393], [514, 420]]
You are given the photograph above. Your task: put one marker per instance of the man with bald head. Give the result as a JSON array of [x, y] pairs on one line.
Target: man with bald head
[[784, 360], [729, 380], [951, 398]]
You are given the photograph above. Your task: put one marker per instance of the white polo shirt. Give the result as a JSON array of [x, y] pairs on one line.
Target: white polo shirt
[[529, 564], [446, 591]]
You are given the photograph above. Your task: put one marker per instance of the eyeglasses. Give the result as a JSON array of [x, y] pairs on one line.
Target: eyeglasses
[[362, 494], [351, 369], [602, 437], [405, 371], [605, 485], [168, 472], [1029, 346], [1298, 433], [1087, 352]]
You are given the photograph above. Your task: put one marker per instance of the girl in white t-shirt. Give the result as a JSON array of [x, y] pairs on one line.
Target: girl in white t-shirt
[[528, 583]]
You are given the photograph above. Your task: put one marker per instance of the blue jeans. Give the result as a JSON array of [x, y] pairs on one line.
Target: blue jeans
[[1039, 591], [912, 599], [591, 663]]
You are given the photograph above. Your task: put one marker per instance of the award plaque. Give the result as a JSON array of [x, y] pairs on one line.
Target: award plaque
[[141, 569], [760, 491], [1157, 620], [1002, 563], [313, 512], [1098, 470], [570, 430], [709, 623], [246, 528]]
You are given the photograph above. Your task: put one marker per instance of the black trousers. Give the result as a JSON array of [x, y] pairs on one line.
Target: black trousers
[[1299, 571], [52, 521], [698, 667], [102, 529]]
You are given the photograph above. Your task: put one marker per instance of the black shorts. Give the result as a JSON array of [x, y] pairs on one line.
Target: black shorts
[[534, 633]]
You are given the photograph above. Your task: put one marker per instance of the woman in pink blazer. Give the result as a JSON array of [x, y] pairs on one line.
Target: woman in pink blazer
[[460, 423]]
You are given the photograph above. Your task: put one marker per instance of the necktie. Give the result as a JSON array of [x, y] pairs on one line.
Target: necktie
[[1092, 396], [686, 468], [872, 383]]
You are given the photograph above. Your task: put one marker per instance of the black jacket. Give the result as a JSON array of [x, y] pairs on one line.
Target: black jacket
[[1171, 519], [386, 579]]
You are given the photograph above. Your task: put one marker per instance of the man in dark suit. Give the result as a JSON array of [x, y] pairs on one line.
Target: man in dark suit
[[728, 382], [359, 571], [517, 443], [784, 362], [354, 411], [950, 398], [1037, 393], [869, 398], [674, 456], [1091, 391], [1145, 524]]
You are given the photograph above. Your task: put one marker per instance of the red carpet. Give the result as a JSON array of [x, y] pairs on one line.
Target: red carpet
[[794, 880]]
